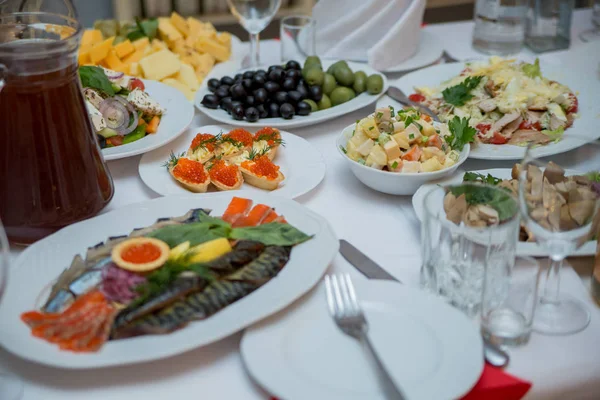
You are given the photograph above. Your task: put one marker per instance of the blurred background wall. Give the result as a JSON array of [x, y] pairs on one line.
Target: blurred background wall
[[217, 11]]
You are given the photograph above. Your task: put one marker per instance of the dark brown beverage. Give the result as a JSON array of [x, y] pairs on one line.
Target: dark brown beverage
[[52, 173]]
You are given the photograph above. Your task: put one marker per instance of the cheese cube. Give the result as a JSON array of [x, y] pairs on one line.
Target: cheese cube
[[134, 69], [216, 49], [113, 61], [141, 44], [85, 48], [351, 151], [395, 165], [180, 86], [369, 127], [91, 37], [413, 133], [84, 57], [179, 47], [428, 129], [430, 152], [402, 139], [158, 45], [431, 165], [206, 62], [160, 65], [167, 31], [224, 38], [399, 126], [358, 138], [392, 150], [194, 26], [200, 75], [187, 76], [136, 56], [411, 166], [365, 148], [180, 24], [124, 49], [100, 51]]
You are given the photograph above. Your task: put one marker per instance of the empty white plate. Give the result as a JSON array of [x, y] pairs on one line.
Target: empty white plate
[[432, 350]]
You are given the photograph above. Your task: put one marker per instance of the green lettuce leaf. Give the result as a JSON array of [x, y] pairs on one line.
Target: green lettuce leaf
[[555, 134], [195, 232], [273, 234], [532, 70]]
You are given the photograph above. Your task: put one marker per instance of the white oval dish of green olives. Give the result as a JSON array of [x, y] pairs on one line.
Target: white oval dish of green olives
[[291, 95]]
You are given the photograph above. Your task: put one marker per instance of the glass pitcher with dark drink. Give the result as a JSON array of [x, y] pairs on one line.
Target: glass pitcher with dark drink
[[52, 173]]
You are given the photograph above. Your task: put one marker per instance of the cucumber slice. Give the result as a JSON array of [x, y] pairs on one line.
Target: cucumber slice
[[107, 133]]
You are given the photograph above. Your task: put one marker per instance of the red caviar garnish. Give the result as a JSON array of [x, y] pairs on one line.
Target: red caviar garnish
[[241, 135], [271, 133], [203, 139], [141, 253], [190, 171], [223, 173], [262, 166]]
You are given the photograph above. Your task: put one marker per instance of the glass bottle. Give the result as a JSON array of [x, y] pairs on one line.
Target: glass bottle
[[549, 25], [499, 26], [52, 173]]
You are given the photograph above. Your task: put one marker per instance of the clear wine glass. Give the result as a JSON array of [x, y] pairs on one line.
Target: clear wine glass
[[559, 209], [594, 33], [254, 16], [11, 388]]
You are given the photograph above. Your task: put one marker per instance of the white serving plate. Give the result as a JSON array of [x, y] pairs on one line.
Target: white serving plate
[[584, 129], [302, 165], [523, 248], [430, 50], [431, 350], [360, 101], [176, 119], [393, 182], [43, 261]]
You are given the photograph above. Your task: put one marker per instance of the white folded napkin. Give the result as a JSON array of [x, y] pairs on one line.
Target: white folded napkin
[[383, 33]]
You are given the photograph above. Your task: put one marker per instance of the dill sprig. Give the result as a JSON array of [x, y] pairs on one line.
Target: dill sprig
[[273, 137], [253, 154], [172, 161]]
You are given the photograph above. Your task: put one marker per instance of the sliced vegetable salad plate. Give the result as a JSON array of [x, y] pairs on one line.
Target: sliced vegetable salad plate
[[179, 114], [40, 264], [584, 129], [302, 165], [360, 101], [523, 248]]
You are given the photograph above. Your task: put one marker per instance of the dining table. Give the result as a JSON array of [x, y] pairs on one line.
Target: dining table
[[383, 226]]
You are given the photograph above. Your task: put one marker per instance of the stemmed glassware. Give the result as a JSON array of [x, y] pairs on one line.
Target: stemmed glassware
[[254, 16], [560, 210], [11, 388]]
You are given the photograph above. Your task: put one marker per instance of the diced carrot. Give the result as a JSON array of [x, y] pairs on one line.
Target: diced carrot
[[141, 121], [413, 154], [426, 117], [435, 141], [152, 126], [236, 209], [255, 217]]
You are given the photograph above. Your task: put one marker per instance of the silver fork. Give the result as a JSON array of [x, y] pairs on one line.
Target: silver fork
[[349, 317]]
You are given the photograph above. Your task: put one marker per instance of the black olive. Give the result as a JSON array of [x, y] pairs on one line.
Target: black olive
[[273, 110], [248, 75], [247, 84], [238, 112], [210, 101], [227, 80], [238, 77], [316, 93], [303, 108], [303, 91], [289, 84], [294, 65], [272, 87], [250, 101], [224, 87], [101, 141], [287, 111], [252, 114], [261, 95], [294, 74], [276, 75], [272, 67], [261, 72], [225, 104], [213, 84], [295, 96], [258, 81], [236, 103], [281, 97], [237, 91], [262, 111], [222, 92]]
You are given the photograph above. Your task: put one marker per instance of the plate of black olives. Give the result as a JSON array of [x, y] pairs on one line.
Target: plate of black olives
[[292, 94]]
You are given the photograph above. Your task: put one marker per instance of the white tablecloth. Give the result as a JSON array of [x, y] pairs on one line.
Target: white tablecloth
[[559, 367]]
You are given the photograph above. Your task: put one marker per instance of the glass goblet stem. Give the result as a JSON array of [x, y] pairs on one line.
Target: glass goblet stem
[[254, 50], [552, 286]]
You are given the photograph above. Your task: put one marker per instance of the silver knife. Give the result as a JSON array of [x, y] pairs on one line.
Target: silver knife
[[493, 354]]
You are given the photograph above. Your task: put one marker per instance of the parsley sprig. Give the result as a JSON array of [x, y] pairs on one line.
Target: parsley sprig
[[461, 133], [477, 177], [459, 94]]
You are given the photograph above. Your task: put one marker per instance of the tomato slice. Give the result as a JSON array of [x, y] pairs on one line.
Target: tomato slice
[[137, 84], [483, 128], [498, 139], [115, 140], [528, 126], [574, 104], [416, 97]]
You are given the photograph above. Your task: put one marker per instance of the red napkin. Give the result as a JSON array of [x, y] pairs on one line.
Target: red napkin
[[495, 384]]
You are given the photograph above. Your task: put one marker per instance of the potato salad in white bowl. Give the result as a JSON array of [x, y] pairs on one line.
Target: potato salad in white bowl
[[396, 152]]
